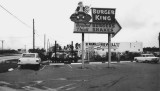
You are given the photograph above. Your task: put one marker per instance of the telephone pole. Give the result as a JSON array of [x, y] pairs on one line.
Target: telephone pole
[[2, 43], [44, 41], [33, 36], [72, 49], [159, 46], [47, 44], [25, 48]]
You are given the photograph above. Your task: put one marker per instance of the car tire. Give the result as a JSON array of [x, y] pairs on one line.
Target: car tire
[[37, 67], [156, 62], [22, 66], [136, 60], [146, 61]]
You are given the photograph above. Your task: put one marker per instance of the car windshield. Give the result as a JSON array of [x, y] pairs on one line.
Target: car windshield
[[149, 55], [58, 54], [28, 55]]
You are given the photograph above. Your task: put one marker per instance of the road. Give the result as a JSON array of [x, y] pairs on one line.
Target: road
[[9, 57], [95, 77]]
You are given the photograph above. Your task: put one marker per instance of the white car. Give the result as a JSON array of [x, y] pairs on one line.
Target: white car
[[29, 59], [147, 58]]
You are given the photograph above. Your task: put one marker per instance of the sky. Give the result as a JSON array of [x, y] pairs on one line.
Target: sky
[[139, 19]]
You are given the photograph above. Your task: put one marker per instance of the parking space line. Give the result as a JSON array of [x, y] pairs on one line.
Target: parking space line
[[56, 64], [69, 65], [71, 88], [43, 67], [61, 87], [76, 63]]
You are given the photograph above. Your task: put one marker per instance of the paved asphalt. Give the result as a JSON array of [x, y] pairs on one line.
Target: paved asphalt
[[95, 77]]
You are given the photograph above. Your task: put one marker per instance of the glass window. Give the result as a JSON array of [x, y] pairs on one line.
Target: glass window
[[37, 56], [150, 55], [28, 55]]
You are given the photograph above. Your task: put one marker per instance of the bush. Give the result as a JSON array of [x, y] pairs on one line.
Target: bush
[[8, 51], [127, 56]]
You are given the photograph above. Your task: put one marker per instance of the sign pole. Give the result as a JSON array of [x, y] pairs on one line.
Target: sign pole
[[109, 49], [82, 50]]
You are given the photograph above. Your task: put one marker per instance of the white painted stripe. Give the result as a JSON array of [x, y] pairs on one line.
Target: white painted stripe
[[61, 79], [121, 62], [124, 61], [69, 65], [71, 88], [76, 63], [43, 67], [65, 86], [56, 64], [90, 63], [113, 62], [95, 62]]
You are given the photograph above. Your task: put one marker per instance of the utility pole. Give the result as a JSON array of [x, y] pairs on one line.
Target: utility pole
[[159, 46], [72, 49], [25, 49], [33, 36], [47, 45], [55, 51], [44, 41], [2, 43]]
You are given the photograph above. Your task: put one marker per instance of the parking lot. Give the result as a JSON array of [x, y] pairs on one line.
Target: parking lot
[[128, 76]]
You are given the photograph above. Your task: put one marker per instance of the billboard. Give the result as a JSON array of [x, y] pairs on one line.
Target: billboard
[[102, 28], [106, 15]]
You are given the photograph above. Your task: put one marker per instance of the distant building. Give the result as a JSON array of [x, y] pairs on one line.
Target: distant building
[[101, 48], [22, 50]]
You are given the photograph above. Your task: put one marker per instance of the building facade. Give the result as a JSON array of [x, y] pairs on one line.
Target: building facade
[[101, 48]]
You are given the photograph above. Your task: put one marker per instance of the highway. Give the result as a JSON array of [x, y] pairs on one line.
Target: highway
[[4, 58]]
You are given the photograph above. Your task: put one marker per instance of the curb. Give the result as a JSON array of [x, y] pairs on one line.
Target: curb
[[91, 63], [56, 64], [76, 63], [95, 62]]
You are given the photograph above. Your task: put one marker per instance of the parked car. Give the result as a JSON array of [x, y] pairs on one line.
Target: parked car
[[147, 58], [60, 57], [72, 58], [29, 59], [63, 57]]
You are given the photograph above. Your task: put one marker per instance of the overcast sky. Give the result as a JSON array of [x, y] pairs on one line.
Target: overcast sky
[[140, 21]]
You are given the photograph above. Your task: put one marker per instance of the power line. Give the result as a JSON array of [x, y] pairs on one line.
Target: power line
[[15, 17], [19, 20]]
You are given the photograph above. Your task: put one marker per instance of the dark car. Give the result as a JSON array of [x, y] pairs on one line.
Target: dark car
[[58, 57], [73, 58]]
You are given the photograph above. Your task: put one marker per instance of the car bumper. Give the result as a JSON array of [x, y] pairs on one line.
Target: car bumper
[[21, 63]]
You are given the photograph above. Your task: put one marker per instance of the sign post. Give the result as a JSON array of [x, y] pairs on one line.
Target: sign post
[[109, 50], [82, 50]]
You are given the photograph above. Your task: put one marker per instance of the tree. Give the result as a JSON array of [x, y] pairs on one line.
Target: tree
[[40, 52], [57, 48], [150, 49], [77, 45]]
